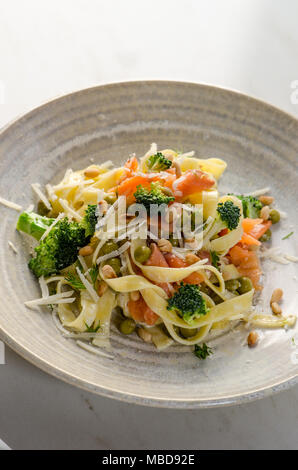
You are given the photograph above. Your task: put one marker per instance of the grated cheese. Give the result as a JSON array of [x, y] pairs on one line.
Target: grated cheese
[[88, 286], [67, 174], [75, 184], [114, 254], [186, 154], [43, 287], [283, 214], [274, 254], [62, 298], [152, 150], [99, 246], [10, 204], [42, 197], [69, 210], [258, 192], [292, 258], [12, 246], [46, 233], [85, 267], [107, 164], [100, 195], [51, 193], [54, 279], [94, 350]]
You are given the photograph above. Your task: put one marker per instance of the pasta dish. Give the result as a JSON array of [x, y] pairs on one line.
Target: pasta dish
[[154, 248]]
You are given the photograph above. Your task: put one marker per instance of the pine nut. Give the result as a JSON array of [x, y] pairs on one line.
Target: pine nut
[[276, 296], [91, 172], [135, 295], [177, 169], [264, 214], [86, 250], [164, 245], [276, 309], [145, 335], [266, 200], [190, 258], [108, 272], [102, 287], [252, 338]]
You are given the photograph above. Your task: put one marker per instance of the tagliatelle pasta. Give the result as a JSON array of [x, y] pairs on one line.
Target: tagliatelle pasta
[[215, 166], [156, 240]]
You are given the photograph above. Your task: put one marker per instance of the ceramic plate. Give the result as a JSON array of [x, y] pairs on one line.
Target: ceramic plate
[[260, 145]]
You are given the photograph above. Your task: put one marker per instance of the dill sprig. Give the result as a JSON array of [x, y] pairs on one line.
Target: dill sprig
[[90, 329], [75, 282], [94, 273], [288, 236], [202, 351]]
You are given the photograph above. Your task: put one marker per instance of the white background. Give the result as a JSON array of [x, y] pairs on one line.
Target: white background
[[54, 47]]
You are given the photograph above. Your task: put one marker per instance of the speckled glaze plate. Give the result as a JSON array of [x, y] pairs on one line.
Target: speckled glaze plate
[[260, 145]]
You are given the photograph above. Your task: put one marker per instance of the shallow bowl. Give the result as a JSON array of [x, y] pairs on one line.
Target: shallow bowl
[[259, 143]]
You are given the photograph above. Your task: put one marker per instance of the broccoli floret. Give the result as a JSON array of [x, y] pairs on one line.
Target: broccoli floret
[[153, 196], [251, 206], [229, 214], [33, 224], [59, 248], [202, 351], [90, 220], [158, 162], [188, 303]]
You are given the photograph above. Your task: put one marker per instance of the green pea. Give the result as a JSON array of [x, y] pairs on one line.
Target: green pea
[[245, 285], [127, 326], [142, 254], [115, 264], [108, 247], [111, 198], [173, 241], [274, 216], [188, 332], [266, 237], [42, 208], [232, 284]]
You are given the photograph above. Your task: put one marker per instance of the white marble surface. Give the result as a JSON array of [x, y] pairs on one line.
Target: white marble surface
[[53, 47]]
